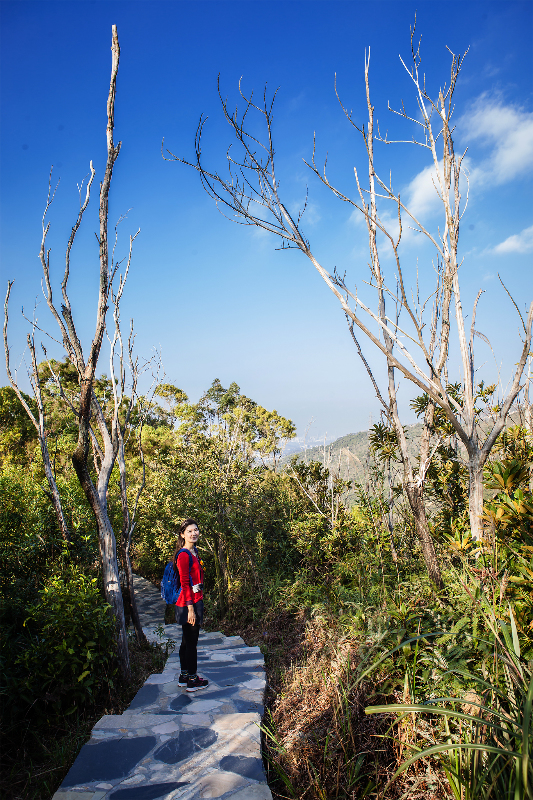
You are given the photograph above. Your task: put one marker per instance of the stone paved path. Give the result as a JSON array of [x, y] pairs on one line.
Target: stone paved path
[[173, 745]]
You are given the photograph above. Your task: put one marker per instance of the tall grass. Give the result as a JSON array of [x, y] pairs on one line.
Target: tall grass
[[485, 742]]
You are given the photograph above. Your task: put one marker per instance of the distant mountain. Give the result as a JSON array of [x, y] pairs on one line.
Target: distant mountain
[[297, 446], [349, 454]]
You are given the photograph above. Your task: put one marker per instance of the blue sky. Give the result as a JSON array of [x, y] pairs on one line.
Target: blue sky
[[218, 298]]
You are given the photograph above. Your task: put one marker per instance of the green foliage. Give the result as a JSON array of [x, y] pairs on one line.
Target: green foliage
[[274, 541], [29, 540], [18, 437], [64, 654], [55, 625], [383, 442], [510, 515]]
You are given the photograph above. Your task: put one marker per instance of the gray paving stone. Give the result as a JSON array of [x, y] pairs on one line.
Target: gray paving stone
[[150, 791], [196, 719], [70, 795], [184, 746], [229, 675], [244, 765], [146, 696], [210, 642], [167, 727], [171, 688], [216, 694], [223, 656], [246, 706], [203, 706], [163, 677], [256, 683], [131, 721], [180, 702], [250, 653], [258, 792], [108, 760], [238, 723], [216, 784]]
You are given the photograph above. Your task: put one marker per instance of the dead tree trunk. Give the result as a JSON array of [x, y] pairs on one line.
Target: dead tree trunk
[[128, 526], [89, 406], [120, 428]]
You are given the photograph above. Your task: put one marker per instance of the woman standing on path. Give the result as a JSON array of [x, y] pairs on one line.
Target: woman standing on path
[[190, 603]]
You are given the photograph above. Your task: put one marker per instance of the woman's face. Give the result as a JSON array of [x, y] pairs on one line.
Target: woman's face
[[191, 534]]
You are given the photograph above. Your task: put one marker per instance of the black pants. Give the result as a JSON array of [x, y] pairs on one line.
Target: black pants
[[188, 659]]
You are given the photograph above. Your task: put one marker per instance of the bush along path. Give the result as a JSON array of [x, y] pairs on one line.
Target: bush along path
[[175, 745]]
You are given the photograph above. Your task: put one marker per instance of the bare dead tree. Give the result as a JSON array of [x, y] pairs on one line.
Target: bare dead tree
[[526, 407], [105, 441], [447, 177], [250, 195], [39, 422], [121, 428]]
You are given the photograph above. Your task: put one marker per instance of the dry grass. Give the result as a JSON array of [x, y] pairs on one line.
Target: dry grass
[[325, 744], [320, 739]]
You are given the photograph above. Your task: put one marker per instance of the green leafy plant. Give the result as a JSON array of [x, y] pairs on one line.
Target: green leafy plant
[[67, 652], [488, 734]]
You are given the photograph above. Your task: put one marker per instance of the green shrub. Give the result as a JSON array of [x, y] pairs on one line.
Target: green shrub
[[65, 651]]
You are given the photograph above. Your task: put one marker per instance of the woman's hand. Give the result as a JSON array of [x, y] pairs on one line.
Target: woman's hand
[[191, 618]]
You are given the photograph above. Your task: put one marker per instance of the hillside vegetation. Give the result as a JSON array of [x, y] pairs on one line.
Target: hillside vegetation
[[302, 563], [348, 457]]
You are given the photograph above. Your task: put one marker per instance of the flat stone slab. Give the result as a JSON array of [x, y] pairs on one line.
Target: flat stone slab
[[182, 747], [243, 765], [148, 792], [108, 760], [180, 702], [172, 745], [256, 683], [258, 792], [202, 706], [146, 696], [68, 795], [131, 721], [168, 677]]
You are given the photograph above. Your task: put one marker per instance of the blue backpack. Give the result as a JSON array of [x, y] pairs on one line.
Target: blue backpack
[[170, 583]]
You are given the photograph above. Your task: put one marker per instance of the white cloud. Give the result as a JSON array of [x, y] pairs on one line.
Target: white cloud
[[518, 243], [507, 130], [422, 197]]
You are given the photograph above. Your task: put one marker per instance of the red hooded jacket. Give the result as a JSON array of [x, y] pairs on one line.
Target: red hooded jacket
[[186, 596]]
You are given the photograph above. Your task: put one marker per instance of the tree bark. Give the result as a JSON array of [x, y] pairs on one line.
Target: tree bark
[[475, 495], [54, 491], [113, 592], [415, 496], [39, 423], [217, 552], [125, 539], [135, 617], [390, 519]]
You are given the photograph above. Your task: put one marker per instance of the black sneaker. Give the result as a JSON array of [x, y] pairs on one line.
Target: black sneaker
[[193, 684], [183, 678]]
